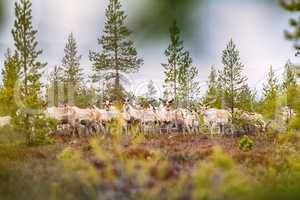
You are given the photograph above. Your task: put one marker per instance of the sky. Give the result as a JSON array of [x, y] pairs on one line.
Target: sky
[[256, 27]]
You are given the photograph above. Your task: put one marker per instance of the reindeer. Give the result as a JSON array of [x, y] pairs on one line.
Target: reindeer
[[252, 119], [65, 115], [215, 117], [132, 114], [165, 115], [106, 115], [5, 121]]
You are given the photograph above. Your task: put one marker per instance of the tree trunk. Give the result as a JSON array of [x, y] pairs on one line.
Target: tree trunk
[[27, 128], [175, 84]]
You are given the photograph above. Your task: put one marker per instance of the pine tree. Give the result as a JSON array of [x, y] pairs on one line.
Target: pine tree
[[56, 87], [118, 52], [289, 87], [213, 96], [30, 67], [231, 78], [10, 76], [151, 91], [174, 53], [73, 75], [289, 76], [270, 95], [187, 80], [271, 88], [247, 99], [293, 6]]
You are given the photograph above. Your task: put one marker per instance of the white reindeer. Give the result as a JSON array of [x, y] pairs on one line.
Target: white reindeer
[[5, 121], [215, 118]]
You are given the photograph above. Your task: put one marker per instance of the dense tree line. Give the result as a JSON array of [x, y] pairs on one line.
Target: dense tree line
[[21, 92]]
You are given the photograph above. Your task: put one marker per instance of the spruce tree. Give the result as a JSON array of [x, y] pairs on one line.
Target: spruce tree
[[10, 75], [118, 53], [30, 67], [290, 89], [187, 80], [270, 95], [289, 76], [213, 96], [271, 88], [151, 91], [232, 80], [174, 54], [55, 87], [73, 75], [247, 99]]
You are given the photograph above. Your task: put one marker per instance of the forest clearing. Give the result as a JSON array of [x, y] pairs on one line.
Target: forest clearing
[[90, 131]]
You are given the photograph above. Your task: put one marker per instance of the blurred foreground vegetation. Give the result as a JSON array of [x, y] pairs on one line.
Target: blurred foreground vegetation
[[152, 167]]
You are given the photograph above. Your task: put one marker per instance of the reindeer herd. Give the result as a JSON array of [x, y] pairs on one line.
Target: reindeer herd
[[165, 118]]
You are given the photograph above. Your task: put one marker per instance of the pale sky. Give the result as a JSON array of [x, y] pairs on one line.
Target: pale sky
[[255, 26]]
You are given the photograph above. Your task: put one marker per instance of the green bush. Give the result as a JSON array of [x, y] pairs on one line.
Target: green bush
[[36, 130], [246, 144]]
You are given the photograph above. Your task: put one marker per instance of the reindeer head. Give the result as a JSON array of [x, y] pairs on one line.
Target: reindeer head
[[107, 104], [202, 107], [167, 103]]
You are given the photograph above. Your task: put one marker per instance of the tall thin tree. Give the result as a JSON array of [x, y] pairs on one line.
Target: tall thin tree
[[118, 53], [73, 74], [174, 54], [231, 77], [151, 90], [55, 87], [290, 89], [213, 95], [187, 80], [270, 95], [30, 67]]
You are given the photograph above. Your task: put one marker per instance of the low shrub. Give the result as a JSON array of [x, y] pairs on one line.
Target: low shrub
[[246, 144]]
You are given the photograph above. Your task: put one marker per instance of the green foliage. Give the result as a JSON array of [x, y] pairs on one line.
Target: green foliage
[[247, 99], [85, 97], [270, 89], [270, 96], [29, 87], [55, 87], [72, 72], [294, 35], [174, 54], [118, 52], [220, 179], [40, 128], [10, 74], [233, 82], [73, 162], [246, 143], [187, 79], [213, 96], [180, 76], [290, 92], [289, 76], [151, 91]]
